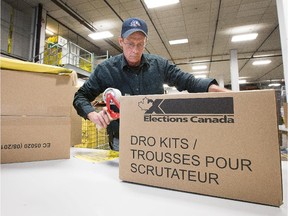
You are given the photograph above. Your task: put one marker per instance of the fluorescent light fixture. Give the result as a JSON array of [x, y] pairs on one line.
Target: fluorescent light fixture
[[264, 55], [100, 35], [159, 3], [244, 37], [244, 29], [199, 67], [274, 84], [200, 61], [242, 81], [180, 41], [261, 62], [49, 32]]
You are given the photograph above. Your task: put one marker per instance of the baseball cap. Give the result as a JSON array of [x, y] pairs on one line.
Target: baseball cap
[[132, 25]]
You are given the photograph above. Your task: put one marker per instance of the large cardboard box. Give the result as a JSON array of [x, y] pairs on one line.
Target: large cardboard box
[[32, 138], [35, 114], [30, 93], [218, 144]]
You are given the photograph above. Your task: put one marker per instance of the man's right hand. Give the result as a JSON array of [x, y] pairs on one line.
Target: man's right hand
[[101, 119]]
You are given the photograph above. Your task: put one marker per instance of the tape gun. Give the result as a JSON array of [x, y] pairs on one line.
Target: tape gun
[[111, 96]]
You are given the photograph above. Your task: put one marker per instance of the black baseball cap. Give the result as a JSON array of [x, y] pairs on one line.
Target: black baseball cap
[[132, 25]]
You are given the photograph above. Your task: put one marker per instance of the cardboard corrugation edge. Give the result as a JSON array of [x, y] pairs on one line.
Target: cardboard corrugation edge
[[281, 174]]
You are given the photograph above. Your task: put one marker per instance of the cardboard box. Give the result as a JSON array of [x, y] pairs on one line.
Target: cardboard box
[[35, 94], [218, 144], [33, 138], [35, 114]]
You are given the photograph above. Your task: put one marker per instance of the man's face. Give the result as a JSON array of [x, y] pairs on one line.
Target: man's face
[[133, 47]]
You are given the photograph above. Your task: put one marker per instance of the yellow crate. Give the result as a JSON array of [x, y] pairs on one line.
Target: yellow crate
[[93, 137]]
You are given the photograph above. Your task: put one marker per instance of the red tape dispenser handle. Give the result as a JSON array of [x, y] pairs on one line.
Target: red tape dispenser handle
[[112, 96], [109, 98]]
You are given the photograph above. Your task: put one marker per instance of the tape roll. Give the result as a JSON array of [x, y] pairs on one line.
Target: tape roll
[[115, 92]]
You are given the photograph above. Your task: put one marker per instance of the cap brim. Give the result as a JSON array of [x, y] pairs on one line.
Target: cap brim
[[129, 32]]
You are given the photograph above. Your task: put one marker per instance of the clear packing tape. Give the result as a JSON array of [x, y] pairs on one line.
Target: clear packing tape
[[18, 65]]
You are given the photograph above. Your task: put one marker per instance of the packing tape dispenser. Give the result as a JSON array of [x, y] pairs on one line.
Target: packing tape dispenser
[[111, 96]]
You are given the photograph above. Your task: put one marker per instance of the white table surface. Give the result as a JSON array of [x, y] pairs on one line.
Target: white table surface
[[81, 188]]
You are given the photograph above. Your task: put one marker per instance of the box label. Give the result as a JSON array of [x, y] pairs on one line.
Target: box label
[[196, 110], [157, 160]]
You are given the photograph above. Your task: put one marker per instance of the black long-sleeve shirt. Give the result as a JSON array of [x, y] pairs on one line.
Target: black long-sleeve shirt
[[148, 78]]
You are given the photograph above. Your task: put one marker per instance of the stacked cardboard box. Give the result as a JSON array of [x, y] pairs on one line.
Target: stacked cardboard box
[[35, 115]]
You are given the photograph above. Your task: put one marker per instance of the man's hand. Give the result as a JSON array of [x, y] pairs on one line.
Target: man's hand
[[216, 88], [101, 119]]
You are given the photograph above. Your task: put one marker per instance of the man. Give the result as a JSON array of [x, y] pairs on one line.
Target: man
[[133, 73]]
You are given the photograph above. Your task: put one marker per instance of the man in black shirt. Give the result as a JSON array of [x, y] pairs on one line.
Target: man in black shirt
[[134, 73]]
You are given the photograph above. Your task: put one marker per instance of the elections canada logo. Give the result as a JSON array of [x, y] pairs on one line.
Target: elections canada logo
[[195, 110]]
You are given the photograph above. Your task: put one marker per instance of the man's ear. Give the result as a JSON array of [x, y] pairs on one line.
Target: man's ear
[[120, 41]]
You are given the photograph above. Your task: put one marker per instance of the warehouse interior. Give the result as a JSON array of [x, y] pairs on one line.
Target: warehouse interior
[[208, 26], [200, 38]]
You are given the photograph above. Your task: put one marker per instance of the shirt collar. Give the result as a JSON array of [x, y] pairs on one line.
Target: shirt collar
[[143, 62]]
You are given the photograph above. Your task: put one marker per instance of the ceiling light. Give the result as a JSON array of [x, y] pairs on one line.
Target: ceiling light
[[49, 32], [180, 41], [264, 55], [242, 81], [244, 37], [100, 35], [244, 29], [199, 61], [261, 62], [274, 84], [159, 3], [199, 67]]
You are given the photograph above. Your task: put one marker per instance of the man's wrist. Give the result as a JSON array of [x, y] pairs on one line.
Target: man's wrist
[[216, 88]]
